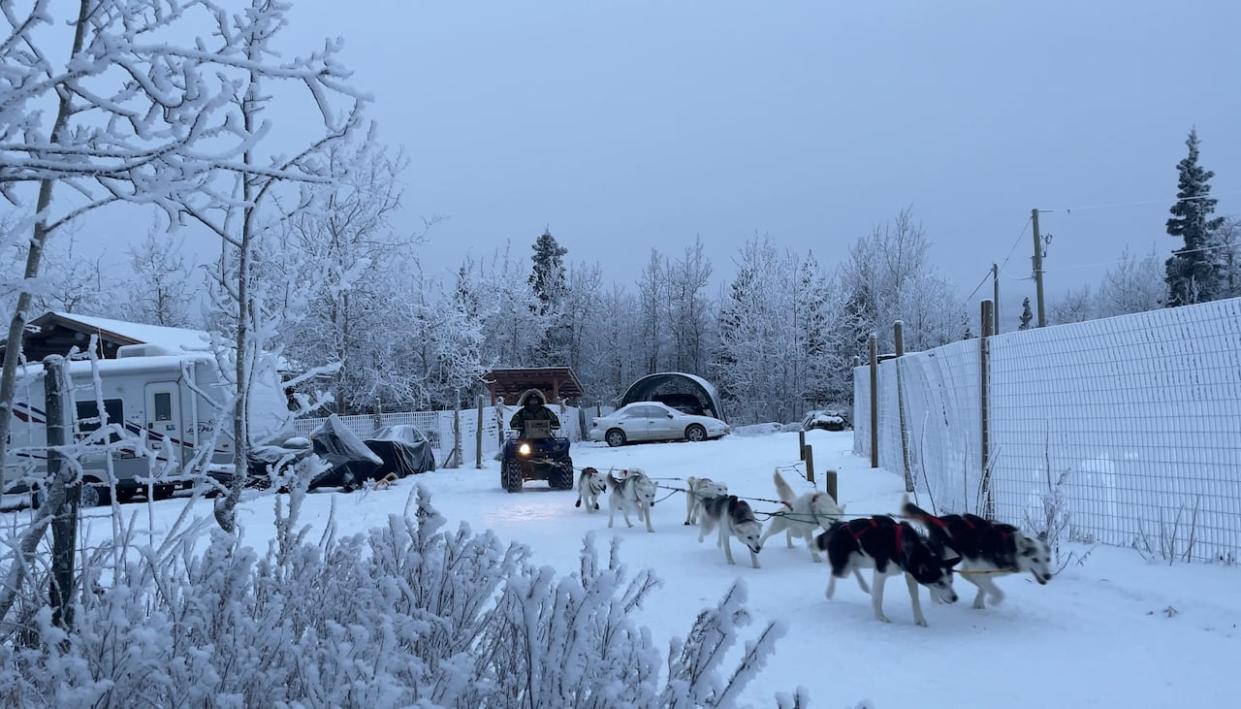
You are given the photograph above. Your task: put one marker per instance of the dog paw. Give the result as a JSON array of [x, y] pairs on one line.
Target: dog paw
[[883, 619], [921, 622]]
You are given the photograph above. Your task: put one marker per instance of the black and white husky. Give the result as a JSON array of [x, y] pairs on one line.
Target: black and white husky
[[733, 517], [989, 549], [633, 490], [590, 485], [891, 549], [698, 490], [804, 515]]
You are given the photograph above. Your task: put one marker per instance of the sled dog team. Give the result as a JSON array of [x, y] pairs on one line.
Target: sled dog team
[[926, 555]]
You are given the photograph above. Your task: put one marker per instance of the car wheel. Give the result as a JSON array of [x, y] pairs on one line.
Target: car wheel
[[615, 438], [695, 433], [510, 476]]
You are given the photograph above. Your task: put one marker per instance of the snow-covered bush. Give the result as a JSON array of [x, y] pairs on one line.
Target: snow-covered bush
[[410, 614]]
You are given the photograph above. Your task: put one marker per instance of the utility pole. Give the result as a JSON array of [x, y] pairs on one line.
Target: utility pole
[[995, 296], [1038, 270]]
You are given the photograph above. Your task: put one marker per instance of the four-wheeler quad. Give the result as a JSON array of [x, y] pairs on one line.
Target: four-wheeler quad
[[536, 453]]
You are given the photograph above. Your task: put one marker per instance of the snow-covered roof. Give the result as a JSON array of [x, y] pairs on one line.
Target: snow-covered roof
[[173, 339]]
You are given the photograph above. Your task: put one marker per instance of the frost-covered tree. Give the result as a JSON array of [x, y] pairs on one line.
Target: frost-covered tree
[[1133, 285], [1227, 243], [688, 310], [353, 266], [653, 301], [71, 281], [549, 282], [160, 287], [104, 102], [1191, 273], [1027, 315], [1074, 306], [266, 188], [888, 277], [513, 327]]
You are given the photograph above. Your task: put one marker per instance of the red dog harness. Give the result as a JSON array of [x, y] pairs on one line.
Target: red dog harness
[[857, 536]]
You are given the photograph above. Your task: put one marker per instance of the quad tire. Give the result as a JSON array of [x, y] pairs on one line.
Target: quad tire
[[560, 477], [511, 478]]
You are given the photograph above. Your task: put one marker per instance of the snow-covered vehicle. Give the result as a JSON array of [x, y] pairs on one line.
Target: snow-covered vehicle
[[536, 453], [825, 420], [653, 421], [171, 398]]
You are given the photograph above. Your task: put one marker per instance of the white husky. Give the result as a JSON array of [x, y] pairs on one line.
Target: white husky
[[632, 490], [699, 490], [805, 515], [590, 485]]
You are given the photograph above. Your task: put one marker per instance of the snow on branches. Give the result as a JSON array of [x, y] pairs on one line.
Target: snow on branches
[[410, 614]]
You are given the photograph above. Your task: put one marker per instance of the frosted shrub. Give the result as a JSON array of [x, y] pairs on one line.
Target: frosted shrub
[[407, 615]]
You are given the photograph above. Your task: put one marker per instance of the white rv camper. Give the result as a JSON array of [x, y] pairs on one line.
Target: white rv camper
[[176, 398]]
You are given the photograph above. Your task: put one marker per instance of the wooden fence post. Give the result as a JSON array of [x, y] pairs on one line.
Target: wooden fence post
[[987, 502], [874, 401], [65, 518], [898, 334], [801, 445], [832, 483], [810, 464], [478, 437], [455, 458]]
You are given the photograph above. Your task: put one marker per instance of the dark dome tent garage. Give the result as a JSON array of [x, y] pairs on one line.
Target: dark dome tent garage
[[684, 392]]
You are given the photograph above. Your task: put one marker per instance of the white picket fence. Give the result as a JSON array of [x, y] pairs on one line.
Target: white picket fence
[[1130, 425], [437, 426]]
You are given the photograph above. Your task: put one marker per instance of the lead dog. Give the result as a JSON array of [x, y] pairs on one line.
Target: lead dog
[[804, 516], [988, 548], [734, 518], [633, 490], [590, 485], [891, 549], [698, 491]]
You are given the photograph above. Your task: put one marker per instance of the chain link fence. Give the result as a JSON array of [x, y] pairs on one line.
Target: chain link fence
[[1122, 431]]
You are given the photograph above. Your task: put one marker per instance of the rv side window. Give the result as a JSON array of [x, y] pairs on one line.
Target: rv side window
[[163, 406], [88, 416]]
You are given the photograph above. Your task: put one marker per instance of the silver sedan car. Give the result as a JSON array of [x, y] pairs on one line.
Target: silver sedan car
[[653, 421]]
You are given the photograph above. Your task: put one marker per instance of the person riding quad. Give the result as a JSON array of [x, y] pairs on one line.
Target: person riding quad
[[532, 408]]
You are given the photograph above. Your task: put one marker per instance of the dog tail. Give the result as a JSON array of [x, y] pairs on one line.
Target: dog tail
[[911, 510], [783, 491]]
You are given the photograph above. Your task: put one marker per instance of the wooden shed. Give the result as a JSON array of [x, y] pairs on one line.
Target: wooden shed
[[559, 384]]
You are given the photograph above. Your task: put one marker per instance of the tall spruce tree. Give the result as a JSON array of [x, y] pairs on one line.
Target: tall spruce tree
[[1026, 315], [1192, 276], [547, 278], [549, 282]]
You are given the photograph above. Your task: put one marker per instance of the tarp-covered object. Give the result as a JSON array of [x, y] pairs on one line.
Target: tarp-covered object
[[351, 461], [685, 392], [403, 449]]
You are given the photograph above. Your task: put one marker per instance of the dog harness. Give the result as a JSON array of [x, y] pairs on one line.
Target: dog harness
[[857, 536]]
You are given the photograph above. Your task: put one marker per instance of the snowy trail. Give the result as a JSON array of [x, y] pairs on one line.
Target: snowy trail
[[1099, 635]]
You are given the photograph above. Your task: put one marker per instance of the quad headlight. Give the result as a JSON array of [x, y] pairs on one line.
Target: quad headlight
[[524, 449]]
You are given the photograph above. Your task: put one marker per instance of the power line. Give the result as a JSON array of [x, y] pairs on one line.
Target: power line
[[1003, 263], [1118, 205]]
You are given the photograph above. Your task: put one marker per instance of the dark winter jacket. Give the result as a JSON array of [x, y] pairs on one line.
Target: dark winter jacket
[[537, 412]]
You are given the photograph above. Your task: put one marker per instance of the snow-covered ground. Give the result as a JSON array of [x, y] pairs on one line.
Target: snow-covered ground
[[1116, 631]]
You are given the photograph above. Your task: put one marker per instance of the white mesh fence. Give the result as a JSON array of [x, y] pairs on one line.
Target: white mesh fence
[[1128, 429]]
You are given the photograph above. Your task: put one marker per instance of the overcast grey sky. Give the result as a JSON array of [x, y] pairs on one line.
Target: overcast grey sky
[[632, 125]]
